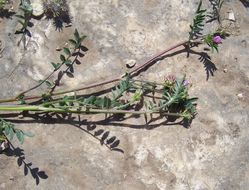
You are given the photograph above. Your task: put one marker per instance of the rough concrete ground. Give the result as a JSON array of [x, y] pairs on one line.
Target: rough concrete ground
[[212, 154]]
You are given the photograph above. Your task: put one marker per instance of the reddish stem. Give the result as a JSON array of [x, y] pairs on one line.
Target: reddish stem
[[115, 79]]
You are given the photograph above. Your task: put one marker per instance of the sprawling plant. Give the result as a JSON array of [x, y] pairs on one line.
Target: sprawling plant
[[174, 100], [168, 98], [176, 95]]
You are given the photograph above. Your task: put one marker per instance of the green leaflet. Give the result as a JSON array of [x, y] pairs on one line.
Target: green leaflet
[[96, 101], [176, 99], [8, 130], [209, 41], [122, 87], [198, 22]]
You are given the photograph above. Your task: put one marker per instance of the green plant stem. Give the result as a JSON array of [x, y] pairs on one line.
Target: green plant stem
[[48, 77], [112, 80], [155, 57], [86, 111], [34, 87], [68, 67]]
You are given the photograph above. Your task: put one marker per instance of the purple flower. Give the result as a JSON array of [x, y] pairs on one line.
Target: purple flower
[[170, 78], [186, 82], [217, 39]]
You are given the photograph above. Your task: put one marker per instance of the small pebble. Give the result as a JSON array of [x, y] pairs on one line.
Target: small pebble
[[58, 49], [244, 43], [68, 25], [11, 9], [231, 16], [240, 95], [130, 63], [225, 70], [20, 116], [4, 145]]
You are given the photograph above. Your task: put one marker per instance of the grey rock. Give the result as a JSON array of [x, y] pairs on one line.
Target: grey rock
[[212, 154]]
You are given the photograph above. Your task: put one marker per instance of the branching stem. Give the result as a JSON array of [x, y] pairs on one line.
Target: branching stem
[[43, 81], [112, 80]]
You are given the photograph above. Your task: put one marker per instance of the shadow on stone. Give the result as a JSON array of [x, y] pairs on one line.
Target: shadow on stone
[[104, 137], [245, 3], [59, 22], [28, 168], [90, 127], [209, 66], [5, 13], [58, 12], [204, 58]]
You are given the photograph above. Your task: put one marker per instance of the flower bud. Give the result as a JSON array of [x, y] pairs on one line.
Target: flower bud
[[217, 39]]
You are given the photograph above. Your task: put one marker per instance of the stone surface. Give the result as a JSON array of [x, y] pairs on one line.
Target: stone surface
[[212, 154]]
